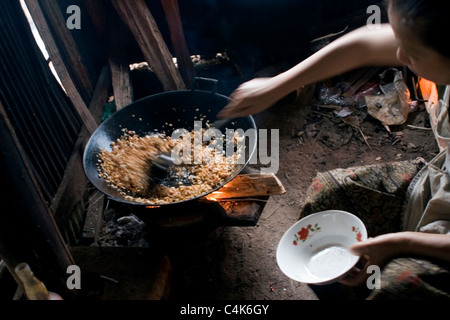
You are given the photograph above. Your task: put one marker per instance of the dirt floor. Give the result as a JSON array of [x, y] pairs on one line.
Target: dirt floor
[[238, 263]]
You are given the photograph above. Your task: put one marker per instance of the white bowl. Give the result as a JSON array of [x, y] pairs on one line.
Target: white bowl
[[315, 250]]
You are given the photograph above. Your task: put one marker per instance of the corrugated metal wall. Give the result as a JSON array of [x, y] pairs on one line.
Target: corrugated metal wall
[[40, 113]]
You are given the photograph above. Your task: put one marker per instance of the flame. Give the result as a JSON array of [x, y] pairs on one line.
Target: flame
[[152, 207], [427, 88], [214, 196]]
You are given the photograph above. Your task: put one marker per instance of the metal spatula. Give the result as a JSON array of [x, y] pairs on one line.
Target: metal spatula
[[220, 123], [161, 165], [163, 172]]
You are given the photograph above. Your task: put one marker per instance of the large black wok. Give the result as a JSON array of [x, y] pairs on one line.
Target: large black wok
[[179, 108]]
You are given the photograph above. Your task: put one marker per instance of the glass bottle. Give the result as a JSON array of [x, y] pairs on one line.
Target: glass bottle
[[34, 289]]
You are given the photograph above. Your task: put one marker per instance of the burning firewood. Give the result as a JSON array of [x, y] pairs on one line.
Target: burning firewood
[[247, 186]]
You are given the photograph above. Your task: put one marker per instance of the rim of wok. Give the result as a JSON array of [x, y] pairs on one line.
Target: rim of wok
[[100, 139]]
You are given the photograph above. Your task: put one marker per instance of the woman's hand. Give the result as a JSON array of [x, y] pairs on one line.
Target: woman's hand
[[379, 250], [249, 98], [374, 251]]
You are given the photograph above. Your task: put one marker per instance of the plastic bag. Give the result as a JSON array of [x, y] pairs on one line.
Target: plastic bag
[[338, 94], [333, 95], [391, 107]]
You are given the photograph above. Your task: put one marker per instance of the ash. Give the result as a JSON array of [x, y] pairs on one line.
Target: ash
[[122, 230]]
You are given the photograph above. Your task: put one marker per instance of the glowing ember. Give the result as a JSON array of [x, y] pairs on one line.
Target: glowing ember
[[215, 196]]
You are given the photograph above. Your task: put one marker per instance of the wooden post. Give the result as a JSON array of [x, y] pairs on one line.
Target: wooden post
[[96, 10], [173, 18], [142, 25], [119, 65]]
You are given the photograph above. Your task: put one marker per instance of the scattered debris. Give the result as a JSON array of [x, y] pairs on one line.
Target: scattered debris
[[392, 106], [366, 95], [412, 147], [109, 278], [344, 112], [418, 128]]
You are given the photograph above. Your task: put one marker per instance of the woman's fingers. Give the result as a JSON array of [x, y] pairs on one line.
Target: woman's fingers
[[358, 274], [249, 98]]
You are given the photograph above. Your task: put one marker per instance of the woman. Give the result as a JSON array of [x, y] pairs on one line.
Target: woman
[[414, 37]]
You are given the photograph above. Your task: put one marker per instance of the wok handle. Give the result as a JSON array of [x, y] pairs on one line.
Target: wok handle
[[212, 83]]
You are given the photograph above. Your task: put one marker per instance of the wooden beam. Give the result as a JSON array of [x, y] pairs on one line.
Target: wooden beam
[[68, 47], [60, 67], [185, 65], [142, 25], [93, 221], [100, 95], [96, 10], [119, 65], [74, 182]]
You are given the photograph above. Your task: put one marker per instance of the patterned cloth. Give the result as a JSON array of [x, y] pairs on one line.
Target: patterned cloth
[[413, 279], [376, 194]]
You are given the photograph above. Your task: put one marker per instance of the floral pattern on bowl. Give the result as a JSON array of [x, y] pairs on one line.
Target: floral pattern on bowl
[[358, 233], [309, 231], [305, 233]]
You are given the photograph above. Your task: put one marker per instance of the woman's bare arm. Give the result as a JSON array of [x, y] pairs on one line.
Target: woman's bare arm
[[405, 243], [361, 47]]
